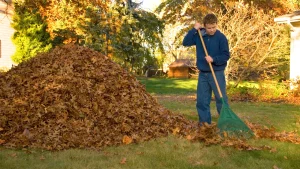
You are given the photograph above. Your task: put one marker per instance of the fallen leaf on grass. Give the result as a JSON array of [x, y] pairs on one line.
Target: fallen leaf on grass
[[140, 153], [199, 163], [273, 150], [123, 161], [127, 139], [13, 155], [42, 158], [270, 133], [275, 167]]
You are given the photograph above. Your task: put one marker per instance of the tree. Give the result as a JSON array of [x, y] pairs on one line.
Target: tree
[[257, 44], [30, 35], [116, 28], [139, 37]]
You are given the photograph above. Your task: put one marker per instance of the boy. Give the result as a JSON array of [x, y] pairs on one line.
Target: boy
[[218, 55]]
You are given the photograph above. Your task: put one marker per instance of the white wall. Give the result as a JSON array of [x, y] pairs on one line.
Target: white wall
[[6, 32], [295, 54]]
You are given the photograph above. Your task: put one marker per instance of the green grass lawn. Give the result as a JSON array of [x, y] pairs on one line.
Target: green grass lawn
[[169, 86], [172, 152], [281, 116], [164, 153], [188, 86]]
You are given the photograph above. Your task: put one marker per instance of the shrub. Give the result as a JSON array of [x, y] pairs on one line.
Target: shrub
[[30, 35], [258, 45]]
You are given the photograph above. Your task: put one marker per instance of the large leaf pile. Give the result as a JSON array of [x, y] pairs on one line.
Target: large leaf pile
[[76, 97]]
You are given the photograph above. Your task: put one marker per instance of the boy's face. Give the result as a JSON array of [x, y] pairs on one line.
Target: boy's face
[[211, 28]]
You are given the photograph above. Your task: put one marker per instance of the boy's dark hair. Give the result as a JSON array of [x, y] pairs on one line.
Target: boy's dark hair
[[210, 19]]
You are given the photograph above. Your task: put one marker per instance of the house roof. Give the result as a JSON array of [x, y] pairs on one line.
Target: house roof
[[182, 63], [288, 18]]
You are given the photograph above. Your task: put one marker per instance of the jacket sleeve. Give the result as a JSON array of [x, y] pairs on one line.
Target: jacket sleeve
[[189, 39], [224, 55]]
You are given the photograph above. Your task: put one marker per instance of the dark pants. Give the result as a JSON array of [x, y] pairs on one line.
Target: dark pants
[[206, 85]]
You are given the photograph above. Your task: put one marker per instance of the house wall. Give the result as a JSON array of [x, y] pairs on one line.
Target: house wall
[[178, 72], [6, 32], [295, 54]]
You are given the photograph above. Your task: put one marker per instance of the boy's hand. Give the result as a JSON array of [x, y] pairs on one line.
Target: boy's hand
[[197, 25], [209, 59]]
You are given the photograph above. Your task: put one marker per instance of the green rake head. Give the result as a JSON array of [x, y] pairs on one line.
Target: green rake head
[[231, 125]]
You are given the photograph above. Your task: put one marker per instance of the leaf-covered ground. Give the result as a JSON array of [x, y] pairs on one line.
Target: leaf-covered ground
[[74, 97]]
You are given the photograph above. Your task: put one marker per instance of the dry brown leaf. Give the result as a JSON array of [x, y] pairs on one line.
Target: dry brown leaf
[[176, 130], [189, 137], [27, 134], [13, 155], [140, 153], [273, 150], [123, 161], [2, 141], [270, 133], [127, 139], [199, 163], [225, 134], [42, 158]]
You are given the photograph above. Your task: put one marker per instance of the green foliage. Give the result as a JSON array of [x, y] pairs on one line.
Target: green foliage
[[128, 35], [93, 33], [139, 37], [259, 91], [30, 35]]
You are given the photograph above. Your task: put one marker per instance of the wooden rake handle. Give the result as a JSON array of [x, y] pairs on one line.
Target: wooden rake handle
[[211, 68]]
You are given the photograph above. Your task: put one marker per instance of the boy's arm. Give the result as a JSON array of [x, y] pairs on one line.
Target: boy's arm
[[224, 55], [189, 39]]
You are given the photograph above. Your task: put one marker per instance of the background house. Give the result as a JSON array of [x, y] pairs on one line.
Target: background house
[[7, 49], [181, 68], [293, 20]]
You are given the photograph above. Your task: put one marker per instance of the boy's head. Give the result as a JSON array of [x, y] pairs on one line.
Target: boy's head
[[210, 23], [210, 19]]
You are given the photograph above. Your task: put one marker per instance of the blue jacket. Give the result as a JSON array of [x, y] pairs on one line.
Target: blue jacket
[[216, 45]]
